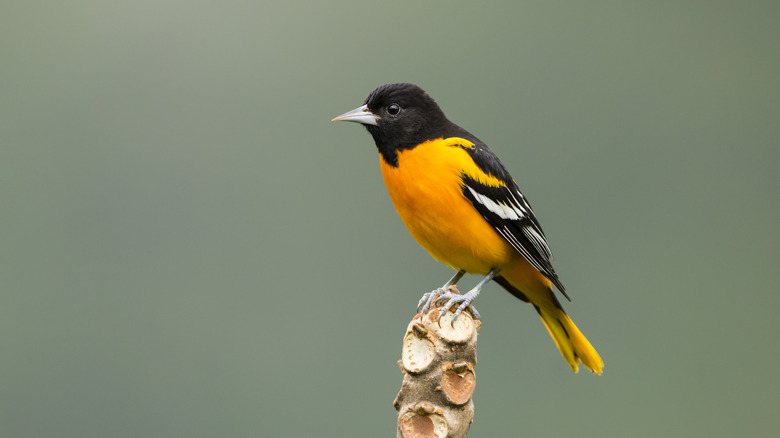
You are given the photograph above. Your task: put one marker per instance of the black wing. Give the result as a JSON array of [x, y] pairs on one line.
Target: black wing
[[507, 210]]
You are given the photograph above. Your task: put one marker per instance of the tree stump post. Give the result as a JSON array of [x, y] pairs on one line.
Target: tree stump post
[[437, 363]]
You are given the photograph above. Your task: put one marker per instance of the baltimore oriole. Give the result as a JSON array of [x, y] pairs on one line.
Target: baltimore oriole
[[460, 203]]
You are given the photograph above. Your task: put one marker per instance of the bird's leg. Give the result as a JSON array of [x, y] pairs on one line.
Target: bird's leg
[[427, 299], [465, 300]]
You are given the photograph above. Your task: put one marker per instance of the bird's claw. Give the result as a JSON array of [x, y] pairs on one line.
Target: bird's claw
[[463, 302], [427, 299]]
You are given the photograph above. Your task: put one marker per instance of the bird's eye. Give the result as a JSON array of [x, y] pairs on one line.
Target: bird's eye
[[393, 109]]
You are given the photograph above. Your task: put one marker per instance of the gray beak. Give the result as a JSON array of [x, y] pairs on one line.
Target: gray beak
[[359, 115]]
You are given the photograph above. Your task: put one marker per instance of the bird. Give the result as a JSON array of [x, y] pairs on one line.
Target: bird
[[460, 203]]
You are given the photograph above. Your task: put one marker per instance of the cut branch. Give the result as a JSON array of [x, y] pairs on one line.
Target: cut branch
[[438, 366]]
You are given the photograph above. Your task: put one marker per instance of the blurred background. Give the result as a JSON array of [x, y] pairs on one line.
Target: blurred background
[[191, 248]]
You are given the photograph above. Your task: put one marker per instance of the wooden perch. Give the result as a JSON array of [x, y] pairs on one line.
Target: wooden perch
[[438, 366]]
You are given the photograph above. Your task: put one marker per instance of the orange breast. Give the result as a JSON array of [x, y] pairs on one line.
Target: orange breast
[[426, 190]]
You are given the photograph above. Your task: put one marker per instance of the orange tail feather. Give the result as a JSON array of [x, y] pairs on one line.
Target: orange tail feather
[[537, 290]]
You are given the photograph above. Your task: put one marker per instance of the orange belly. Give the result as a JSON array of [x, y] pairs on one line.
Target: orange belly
[[426, 190]]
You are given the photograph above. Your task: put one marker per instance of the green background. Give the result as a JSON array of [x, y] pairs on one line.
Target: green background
[[191, 248]]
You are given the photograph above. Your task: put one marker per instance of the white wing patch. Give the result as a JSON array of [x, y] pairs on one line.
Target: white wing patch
[[502, 210]]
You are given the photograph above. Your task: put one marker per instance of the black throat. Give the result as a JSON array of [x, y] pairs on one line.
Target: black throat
[[390, 142]]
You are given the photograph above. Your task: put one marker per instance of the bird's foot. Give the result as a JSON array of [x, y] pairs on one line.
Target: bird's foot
[[462, 301], [428, 298]]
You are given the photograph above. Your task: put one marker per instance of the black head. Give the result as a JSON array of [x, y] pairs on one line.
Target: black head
[[401, 116], [407, 116]]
